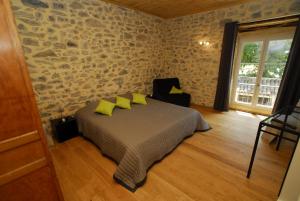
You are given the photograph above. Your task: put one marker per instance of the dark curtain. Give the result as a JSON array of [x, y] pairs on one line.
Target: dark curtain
[[289, 90], [227, 54]]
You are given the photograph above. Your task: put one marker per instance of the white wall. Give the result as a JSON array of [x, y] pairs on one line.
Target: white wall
[[291, 187]]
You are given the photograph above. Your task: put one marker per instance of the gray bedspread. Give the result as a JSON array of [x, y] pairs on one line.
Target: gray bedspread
[[137, 138]]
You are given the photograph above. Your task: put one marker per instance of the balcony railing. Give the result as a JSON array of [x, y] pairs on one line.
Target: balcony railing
[[267, 91], [268, 86]]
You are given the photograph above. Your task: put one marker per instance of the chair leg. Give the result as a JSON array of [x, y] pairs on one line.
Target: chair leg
[[281, 132], [279, 140], [254, 151]]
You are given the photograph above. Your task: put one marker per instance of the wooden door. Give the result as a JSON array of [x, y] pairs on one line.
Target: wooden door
[[26, 170]]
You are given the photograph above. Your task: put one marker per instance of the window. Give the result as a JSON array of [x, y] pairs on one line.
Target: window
[[259, 65]]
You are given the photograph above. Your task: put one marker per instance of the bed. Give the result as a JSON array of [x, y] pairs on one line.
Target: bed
[[139, 137]]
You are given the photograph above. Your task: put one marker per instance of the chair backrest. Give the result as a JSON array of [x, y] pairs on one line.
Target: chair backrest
[[163, 86]]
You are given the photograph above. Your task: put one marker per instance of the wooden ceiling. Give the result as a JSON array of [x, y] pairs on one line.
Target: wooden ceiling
[[175, 8]]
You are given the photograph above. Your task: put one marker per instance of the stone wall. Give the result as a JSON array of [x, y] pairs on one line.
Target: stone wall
[[198, 66], [80, 51]]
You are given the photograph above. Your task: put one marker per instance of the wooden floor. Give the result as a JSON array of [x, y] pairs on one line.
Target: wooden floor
[[207, 166]]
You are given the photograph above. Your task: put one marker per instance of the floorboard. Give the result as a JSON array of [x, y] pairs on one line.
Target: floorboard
[[207, 166]]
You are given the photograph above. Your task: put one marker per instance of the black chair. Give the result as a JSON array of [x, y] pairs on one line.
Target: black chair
[[161, 91]]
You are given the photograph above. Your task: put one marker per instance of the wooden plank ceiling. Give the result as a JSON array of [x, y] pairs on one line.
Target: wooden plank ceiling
[[175, 8]]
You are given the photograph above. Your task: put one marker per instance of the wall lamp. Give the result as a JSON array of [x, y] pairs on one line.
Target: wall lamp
[[204, 43]]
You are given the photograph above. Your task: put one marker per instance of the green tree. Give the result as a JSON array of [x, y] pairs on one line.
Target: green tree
[[250, 59], [251, 53], [277, 56]]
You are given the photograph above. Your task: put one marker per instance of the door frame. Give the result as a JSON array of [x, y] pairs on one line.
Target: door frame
[[261, 35]]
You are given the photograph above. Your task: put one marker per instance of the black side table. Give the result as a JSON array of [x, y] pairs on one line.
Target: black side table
[[64, 128]]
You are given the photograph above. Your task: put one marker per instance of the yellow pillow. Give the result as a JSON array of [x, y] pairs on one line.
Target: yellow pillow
[[105, 107], [139, 98], [174, 90], [123, 102]]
